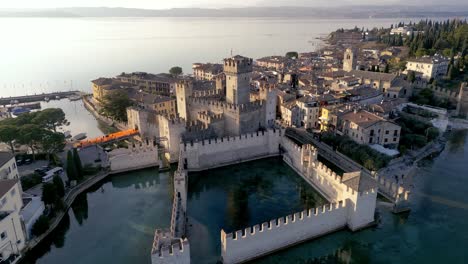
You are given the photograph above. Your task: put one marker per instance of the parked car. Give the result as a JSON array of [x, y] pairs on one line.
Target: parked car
[[27, 161], [41, 171]]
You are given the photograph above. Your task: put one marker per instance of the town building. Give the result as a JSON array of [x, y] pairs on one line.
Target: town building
[[273, 62], [309, 109], [8, 168], [290, 114], [206, 71], [12, 235], [160, 84], [367, 128], [104, 86], [430, 67]]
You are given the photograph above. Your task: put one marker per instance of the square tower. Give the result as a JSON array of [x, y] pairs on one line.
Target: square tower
[[349, 60], [184, 89], [238, 70]]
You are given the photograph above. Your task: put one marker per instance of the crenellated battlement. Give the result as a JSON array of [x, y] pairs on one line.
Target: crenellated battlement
[[392, 189], [209, 117], [166, 246], [238, 64], [303, 216], [176, 120], [207, 93], [224, 106], [235, 139]]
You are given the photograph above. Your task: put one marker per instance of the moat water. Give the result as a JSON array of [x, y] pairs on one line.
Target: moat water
[[114, 221]]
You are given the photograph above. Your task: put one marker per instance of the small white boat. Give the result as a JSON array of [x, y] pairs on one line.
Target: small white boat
[[80, 136], [57, 97], [47, 99], [67, 134], [74, 97]]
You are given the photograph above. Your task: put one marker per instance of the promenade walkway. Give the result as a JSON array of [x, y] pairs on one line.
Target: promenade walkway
[[68, 200]]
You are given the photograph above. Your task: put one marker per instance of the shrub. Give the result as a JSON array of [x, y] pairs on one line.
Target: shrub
[[40, 226]]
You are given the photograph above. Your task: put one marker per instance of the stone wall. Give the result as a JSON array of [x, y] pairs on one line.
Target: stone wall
[[167, 249], [208, 154], [141, 155], [259, 240]]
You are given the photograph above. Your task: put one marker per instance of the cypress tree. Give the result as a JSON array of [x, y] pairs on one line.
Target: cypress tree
[[71, 168], [58, 183], [78, 165]]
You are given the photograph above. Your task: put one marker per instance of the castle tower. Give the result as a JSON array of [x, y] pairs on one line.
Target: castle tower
[[349, 60], [184, 90], [238, 70], [269, 94]]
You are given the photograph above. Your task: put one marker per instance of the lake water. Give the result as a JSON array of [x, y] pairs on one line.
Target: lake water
[[81, 120], [52, 54], [114, 222]]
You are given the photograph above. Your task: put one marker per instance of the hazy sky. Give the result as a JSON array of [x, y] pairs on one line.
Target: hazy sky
[[165, 4]]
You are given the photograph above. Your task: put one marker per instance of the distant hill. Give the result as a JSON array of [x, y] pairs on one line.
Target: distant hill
[[287, 12]]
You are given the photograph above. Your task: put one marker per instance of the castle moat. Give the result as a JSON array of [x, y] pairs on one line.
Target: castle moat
[[114, 221]]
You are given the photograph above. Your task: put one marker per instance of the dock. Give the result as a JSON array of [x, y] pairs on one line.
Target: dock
[[36, 97]]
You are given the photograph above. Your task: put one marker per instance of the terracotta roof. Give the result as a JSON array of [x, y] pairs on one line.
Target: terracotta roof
[[372, 75], [362, 118]]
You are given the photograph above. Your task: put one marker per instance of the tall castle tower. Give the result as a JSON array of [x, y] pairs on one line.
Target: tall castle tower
[[238, 70], [184, 90], [349, 60]]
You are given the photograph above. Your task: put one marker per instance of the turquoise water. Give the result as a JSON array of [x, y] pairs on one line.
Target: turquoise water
[[118, 216]]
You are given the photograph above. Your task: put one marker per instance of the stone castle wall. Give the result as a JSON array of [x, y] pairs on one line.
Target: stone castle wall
[[139, 156], [349, 208], [207, 154], [259, 240]]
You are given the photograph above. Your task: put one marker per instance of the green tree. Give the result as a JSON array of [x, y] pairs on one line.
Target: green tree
[[52, 142], [387, 68], [411, 76], [72, 173], [175, 71], [8, 134], [30, 135], [115, 105], [78, 164], [51, 118], [292, 55], [49, 194], [451, 73], [40, 226], [59, 186]]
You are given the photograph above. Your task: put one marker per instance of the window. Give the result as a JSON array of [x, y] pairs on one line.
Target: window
[[395, 133], [372, 132], [3, 235], [370, 140], [13, 192], [386, 132], [394, 139], [4, 200], [386, 140]]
